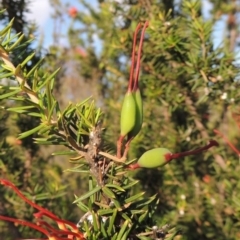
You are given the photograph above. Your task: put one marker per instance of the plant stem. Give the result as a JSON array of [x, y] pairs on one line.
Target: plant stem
[[130, 83], [135, 87], [170, 156], [228, 142]]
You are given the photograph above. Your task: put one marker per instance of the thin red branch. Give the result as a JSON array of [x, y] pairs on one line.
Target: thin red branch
[[171, 156], [228, 142], [139, 56], [44, 212], [25, 223], [61, 223], [16, 190], [130, 83], [57, 232]]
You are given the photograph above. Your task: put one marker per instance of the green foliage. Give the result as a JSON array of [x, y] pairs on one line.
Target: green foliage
[[21, 160], [111, 205], [189, 86]]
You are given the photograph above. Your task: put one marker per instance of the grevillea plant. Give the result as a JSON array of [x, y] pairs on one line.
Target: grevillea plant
[[111, 209]]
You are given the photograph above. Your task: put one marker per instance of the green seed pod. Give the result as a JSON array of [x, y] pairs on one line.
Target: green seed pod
[[135, 89], [139, 114], [128, 114], [153, 158], [160, 156], [132, 109]]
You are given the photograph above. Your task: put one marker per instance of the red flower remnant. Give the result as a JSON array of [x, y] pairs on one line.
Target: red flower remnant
[[67, 230], [73, 12], [228, 142], [18, 142], [206, 178], [13, 140], [81, 52]]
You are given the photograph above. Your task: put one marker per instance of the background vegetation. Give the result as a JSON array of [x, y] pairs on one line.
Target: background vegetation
[[189, 86]]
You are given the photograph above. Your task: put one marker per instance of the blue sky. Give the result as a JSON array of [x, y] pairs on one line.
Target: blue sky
[[41, 14], [41, 11]]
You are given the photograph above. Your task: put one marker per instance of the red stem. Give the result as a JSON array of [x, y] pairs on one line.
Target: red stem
[[60, 232], [228, 142], [133, 166], [135, 87], [48, 226], [171, 156], [61, 223], [25, 223], [16, 190], [42, 211], [130, 83]]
